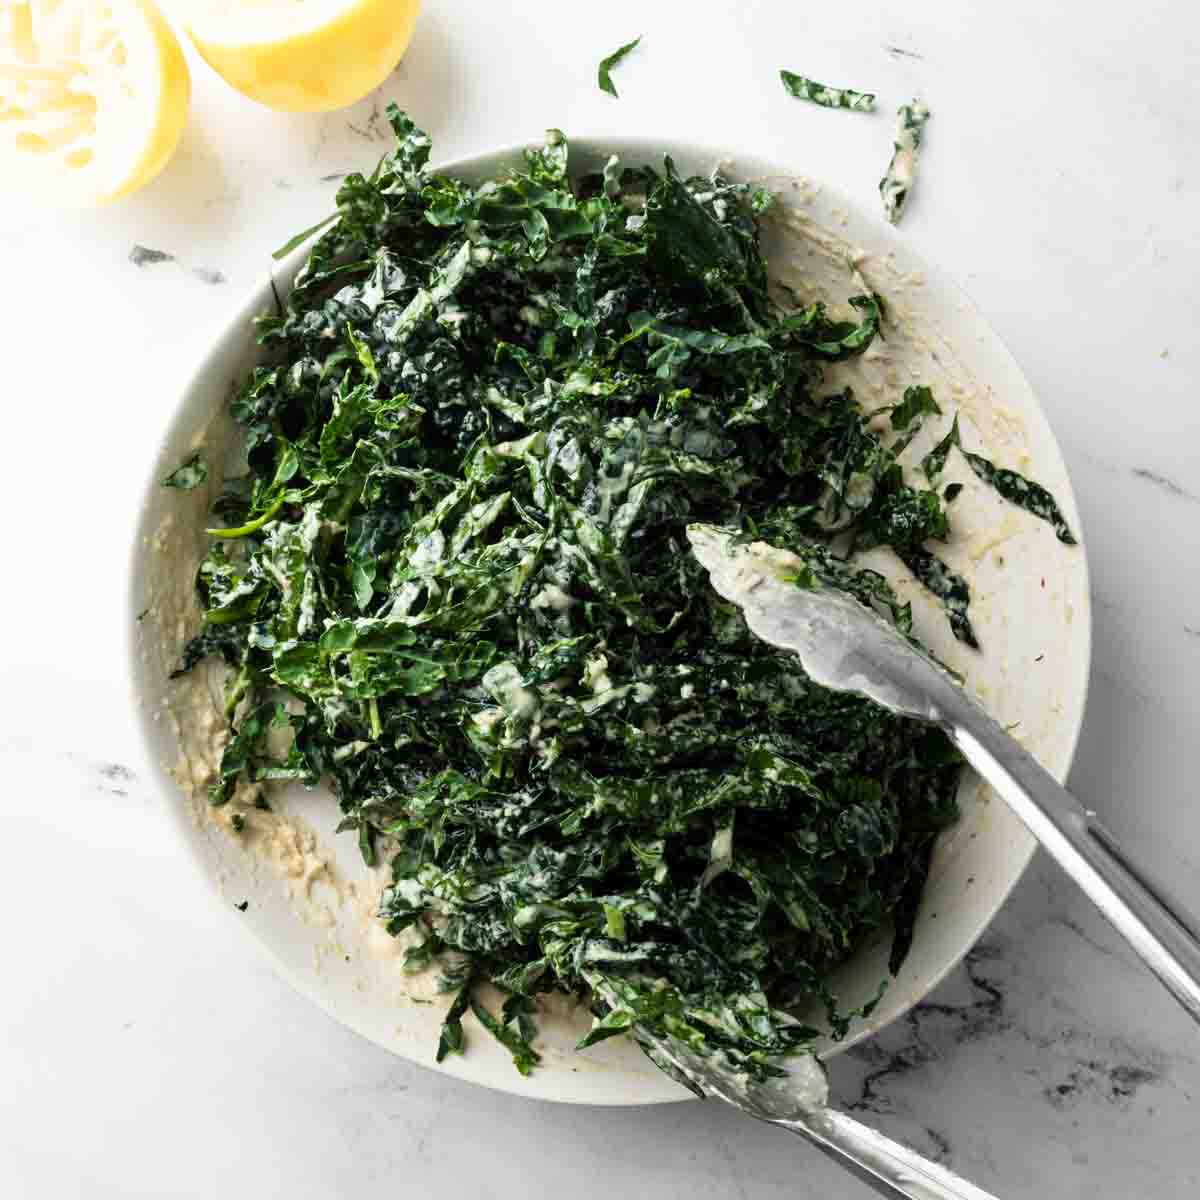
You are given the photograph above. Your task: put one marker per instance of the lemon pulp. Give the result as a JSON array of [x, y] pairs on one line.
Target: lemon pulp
[[94, 95]]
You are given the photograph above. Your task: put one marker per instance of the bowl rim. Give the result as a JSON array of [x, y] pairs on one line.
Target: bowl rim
[[197, 361]]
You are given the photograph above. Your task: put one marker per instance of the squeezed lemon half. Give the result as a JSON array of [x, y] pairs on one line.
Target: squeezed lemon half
[[302, 55], [94, 96]]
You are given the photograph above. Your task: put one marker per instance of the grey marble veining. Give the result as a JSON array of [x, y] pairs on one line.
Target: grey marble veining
[[146, 1052], [1167, 484]]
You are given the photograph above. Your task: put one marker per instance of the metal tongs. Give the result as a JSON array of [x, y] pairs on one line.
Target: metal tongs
[[845, 646]]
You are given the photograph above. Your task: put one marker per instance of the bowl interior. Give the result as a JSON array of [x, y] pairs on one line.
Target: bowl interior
[[309, 897]]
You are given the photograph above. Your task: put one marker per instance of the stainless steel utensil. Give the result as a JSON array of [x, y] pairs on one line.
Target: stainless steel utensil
[[845, 646], [798, 1104]]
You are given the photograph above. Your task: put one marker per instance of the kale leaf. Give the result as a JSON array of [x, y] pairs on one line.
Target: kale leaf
[[902, 170], [1022, 492], [188, 475], [1014, 487], [603, 76], [804, 88], [918, 402]]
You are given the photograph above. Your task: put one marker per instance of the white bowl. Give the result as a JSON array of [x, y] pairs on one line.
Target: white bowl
[[1031, 611]]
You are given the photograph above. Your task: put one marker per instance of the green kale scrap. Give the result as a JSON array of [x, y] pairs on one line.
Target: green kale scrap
[[902, 169], [455, 577], [188, 475], [804, 88], [1014, 487], [604, 71]]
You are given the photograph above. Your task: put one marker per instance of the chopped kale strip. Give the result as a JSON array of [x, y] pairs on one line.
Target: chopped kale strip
[[603, 74], [918, 402], [902, 170], [804, 88], [454, 582], [1014, 487], [909, 415], [934, 463], [190, 474], [950, 589], [1022, 492]]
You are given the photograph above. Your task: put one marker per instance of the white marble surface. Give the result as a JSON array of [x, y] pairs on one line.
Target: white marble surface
[[143, 1053]]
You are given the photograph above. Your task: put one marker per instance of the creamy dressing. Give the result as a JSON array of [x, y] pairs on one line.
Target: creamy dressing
[[988, 539], [595, 674]]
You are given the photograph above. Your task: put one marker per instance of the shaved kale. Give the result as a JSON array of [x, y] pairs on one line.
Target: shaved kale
[[227, 641], [454, 582], [934, 463], [917, 404], [1024, 493], [1015, 488], [603, 76], [952, 590], [902, 170], [190, 474], [804, 88]]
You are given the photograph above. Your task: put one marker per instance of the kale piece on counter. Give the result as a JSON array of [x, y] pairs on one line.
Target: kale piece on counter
[[604, 71], [804, 88], [898, 180]]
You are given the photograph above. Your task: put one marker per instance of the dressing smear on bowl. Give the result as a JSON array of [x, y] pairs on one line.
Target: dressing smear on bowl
[[449, 578]]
